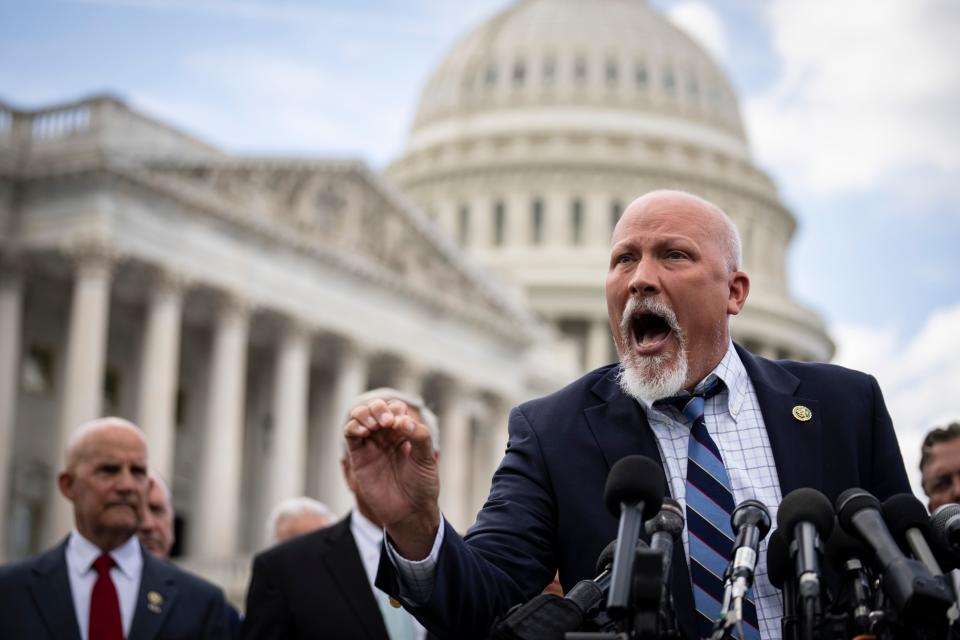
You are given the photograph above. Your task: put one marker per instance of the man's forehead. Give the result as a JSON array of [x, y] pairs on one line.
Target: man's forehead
[[945, 454], [96, 452]]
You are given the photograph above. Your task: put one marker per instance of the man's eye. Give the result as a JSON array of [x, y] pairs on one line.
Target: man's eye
[[676, 255], [624, 258]]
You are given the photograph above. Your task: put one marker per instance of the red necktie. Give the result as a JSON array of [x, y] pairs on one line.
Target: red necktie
[[104, 605]]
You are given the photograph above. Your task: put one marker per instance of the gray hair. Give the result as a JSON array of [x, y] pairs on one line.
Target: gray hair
[[294, 507], [413, 401]]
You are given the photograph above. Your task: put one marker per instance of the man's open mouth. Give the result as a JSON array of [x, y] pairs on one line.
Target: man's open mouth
[[649, 329]]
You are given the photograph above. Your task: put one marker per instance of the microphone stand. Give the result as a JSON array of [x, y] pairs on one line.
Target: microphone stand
[[789, 624]]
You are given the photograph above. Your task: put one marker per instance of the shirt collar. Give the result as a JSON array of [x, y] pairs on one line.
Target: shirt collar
[[361, 526], [128, 556], [733, 374]]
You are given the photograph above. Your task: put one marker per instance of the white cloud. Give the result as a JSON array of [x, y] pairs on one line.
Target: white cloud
[[868, 90], [918, 376], [703, 24]]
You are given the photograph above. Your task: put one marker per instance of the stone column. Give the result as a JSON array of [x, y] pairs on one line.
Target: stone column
[[557, 220], [406, 376], [598, 343], [519, 216], [86, 353], [11, 313], [159, 371], [288, 443], [454, 453], [481, 223], [347, 382], [215, 523], [597, 229]]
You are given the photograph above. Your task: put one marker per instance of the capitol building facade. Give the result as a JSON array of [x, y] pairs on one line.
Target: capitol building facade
[[233, 306]]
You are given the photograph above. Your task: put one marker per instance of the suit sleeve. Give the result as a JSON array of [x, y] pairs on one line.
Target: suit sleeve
[[267, 616], [505, 558], [888, 475], [215, 625]]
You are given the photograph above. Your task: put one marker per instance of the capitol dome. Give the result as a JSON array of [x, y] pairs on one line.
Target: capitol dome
[[545, 121]]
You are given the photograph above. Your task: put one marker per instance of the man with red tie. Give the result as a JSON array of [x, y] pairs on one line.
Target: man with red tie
[[100, 584]]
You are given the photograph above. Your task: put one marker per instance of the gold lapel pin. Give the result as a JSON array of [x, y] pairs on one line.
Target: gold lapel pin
[[395, 603], [802, 413], [154, 600]]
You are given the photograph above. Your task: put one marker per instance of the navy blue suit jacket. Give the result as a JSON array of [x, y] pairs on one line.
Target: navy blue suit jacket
[[36, 603], [546, 510], [312, 586]]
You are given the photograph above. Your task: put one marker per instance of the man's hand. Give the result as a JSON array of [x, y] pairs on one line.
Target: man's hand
[[395, 470]]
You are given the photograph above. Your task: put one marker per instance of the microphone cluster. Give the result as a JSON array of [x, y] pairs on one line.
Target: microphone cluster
[[856, 569], [887, 561]]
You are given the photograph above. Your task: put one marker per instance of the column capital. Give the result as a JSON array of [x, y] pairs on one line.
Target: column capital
[[448, 384], [167, 280], [92, 253], [345, 346], [294, 327], [231, 303]]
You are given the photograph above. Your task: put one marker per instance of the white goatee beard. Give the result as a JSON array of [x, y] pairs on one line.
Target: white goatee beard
[[651, 378]]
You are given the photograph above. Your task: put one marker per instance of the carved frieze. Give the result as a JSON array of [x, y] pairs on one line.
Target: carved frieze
[[339, 211]]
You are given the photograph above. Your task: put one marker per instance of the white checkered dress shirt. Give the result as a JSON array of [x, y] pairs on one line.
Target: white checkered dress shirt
[[734, 422]]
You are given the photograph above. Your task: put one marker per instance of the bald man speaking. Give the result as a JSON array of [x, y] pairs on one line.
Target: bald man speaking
[[673, 281], [100, 583]]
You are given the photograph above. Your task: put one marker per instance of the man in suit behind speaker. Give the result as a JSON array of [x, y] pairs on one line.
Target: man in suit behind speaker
[[320, 585], [100, 583]]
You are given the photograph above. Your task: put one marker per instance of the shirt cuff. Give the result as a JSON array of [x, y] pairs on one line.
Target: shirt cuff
[[416, 577]]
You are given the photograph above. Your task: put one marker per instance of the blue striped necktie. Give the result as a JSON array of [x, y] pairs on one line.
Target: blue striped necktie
[[709, 505]]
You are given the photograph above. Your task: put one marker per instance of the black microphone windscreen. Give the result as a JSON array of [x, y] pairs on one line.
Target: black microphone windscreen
[[850, 503], [635, 479], [944, 519], [778, 559], [805, 505], [841, 546], [605, 559], [901, 512]]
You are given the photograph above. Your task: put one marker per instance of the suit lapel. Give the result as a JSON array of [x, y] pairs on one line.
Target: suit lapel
[[50, 588], [619, 424], [157, 595], [797, 445], [342, 560], [620, 428]]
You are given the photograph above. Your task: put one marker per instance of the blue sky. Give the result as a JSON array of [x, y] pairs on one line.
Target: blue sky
[[851, 107]]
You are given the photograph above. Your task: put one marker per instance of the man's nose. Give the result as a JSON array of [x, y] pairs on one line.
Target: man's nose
[[126, 481], [645, 279]]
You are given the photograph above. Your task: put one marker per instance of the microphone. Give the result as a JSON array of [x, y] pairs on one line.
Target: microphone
[[805, 518], [587, 594], [909, 523], [634, 491], [751, 523], [549, 615], [920, 598], [850, 558], [946, 526], [663, 529], [780, 573]]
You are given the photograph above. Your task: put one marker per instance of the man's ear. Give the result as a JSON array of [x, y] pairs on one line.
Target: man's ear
[[739, 289], [65, 484]]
